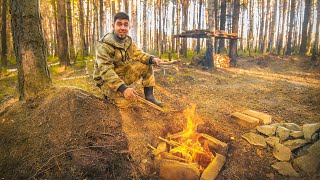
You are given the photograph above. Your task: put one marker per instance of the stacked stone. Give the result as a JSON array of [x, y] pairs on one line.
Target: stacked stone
[[296, 147]]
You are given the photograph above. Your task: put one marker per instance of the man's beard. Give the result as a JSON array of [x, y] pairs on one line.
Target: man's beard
[[122, 36]]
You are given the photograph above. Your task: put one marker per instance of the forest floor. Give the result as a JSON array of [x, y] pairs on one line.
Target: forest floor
[[287, 88]]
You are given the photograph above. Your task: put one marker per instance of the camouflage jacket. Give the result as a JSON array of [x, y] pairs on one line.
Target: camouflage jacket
[[112, 56]]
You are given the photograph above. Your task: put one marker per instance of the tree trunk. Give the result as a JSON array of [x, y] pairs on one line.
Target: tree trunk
[[83, 45], [261, 25], [199, 25], [87, 29], [178, 29], [310, 29], [235, 23], [185, 5], [210, 41], [4, 36], [251, 15], [144, 41], [272, 30], [134, 20], [242, 27], [126, 6], [29, 48], [315, 50], [280, 44], [307, 10], [159, 30], [62, 34], [55, 27], [265, 40], [70, 31], [222, 23], [292, 12], [172, 25], [102, 20]]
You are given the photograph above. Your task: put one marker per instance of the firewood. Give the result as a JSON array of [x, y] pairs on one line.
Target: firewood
[[166, 155]]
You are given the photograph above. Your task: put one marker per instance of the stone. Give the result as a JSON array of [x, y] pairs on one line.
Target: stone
[[315, 149], [255, 139], [272, 140], [283, 133], [285, 168], [281, 152], [314, 137], [171, 169], [263, 117], [215, 144], [296, 134], [267, 130], [212, 171], [309, 163], [294, 144], [309, 130], [292, 126], [245, 120]]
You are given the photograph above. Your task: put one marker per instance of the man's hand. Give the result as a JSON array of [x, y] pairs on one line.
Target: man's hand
[[157, 61], [130, 93]]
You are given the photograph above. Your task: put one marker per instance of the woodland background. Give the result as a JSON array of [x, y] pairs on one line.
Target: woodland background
[[282, 27]]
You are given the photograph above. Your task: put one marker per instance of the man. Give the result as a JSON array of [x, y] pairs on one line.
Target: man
[[119, 63]]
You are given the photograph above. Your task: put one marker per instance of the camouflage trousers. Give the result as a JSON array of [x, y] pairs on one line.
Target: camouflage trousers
[[129, 73]]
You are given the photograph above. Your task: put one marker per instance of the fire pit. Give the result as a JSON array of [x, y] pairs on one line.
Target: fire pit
[[189, 154]]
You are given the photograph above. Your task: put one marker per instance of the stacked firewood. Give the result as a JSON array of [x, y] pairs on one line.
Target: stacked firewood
[[221, 60]]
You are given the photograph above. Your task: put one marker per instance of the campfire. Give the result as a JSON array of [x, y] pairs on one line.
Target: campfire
[[189, 154]]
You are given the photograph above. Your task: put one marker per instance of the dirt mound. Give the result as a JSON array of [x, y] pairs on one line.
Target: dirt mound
[[67, 134]]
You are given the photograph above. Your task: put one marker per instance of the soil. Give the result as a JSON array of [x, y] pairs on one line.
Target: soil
[[71, 133]]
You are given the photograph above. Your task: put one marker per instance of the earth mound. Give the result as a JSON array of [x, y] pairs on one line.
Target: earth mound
[[66, 134]]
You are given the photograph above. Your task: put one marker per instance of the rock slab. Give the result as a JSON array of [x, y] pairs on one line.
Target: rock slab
[[285, 168], [255, 139]]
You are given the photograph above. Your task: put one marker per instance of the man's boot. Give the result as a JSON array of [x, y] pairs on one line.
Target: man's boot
[[148, 92]]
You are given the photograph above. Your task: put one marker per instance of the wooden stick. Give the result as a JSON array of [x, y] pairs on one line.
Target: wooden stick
[[149, 103]]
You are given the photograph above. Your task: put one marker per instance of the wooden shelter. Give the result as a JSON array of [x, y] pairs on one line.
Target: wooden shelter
[[205, 33]]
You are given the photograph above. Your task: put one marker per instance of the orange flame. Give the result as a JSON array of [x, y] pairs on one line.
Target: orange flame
[[190, 148]]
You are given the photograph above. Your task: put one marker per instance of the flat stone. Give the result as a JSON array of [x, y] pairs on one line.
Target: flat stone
[[309, 163], [267, 130], [309, 130], [292, 126], [314, 137], [170, 169], [315, 149], [255, 139], [245, 120], [285, 168], [294, 144], [281, 152], [215, 144], [263, 117], [212, 171], [296, 134], [283, 133], [272, 140]]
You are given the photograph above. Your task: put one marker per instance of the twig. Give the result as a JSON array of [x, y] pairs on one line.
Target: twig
[[72, 150], [149, 103]]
